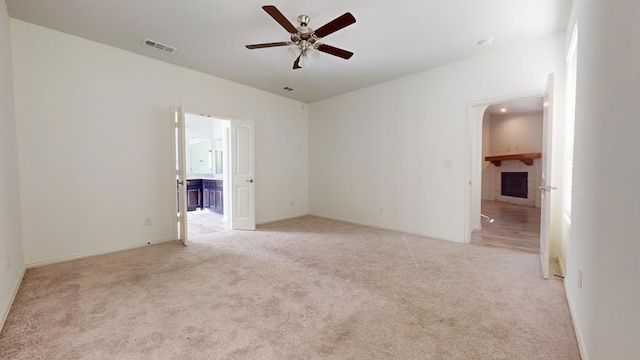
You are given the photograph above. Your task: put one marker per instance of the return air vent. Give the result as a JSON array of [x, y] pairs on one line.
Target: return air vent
[[159, 46]]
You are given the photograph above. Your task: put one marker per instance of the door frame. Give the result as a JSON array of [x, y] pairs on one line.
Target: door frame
[[177, 126], [473, 192]]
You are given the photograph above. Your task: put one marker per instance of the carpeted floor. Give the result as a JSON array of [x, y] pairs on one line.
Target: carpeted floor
[[305, 288]]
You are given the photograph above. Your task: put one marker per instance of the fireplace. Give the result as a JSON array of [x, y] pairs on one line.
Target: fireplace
[[515, 184], [529, 182]]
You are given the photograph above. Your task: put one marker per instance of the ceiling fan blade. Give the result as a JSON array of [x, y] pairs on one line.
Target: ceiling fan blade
[[277, 16], [335, 51], [334, 25], [267, 45], [296, 64]]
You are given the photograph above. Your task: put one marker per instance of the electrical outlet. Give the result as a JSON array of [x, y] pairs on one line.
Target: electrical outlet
[[147, 221], [7, 261], [579, 278], [292, 203], [381, 210]]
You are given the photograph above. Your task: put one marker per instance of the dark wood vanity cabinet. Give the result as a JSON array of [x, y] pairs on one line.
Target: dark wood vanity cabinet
[[204, 194], [212, 195], [194, 194]]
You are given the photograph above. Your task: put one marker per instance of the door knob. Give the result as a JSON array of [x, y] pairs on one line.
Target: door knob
[[249, 181]]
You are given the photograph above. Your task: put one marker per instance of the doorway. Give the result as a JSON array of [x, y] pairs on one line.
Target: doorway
[[237, 188], [511, 166], [206, 170], [476, 113]]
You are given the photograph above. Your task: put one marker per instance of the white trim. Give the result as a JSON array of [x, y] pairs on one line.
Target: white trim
[[574, 42], [508, 98], [262, 222], [14, 293], [95, 253], [579, 337], [404, 231], [569, 123], [174, 159]]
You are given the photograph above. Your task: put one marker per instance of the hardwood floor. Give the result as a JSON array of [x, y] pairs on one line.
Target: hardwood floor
[[514, 227]]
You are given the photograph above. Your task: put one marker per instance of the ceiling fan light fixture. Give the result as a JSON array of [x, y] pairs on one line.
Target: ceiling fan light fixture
[[294, 51], [305, 61], [309, 57], [313, 55]]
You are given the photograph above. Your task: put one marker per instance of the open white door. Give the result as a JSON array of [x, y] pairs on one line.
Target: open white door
[[242, 186], [181, 172], [545, 211]]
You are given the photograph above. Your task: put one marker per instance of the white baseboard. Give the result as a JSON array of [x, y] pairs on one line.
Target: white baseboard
[[404, 231], [94, 253], [7, 307], [581, 345], [262, 222]]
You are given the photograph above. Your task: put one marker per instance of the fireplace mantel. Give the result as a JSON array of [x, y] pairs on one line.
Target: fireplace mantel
[[527, 159]]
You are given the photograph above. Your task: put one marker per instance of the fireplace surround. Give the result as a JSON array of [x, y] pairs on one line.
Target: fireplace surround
[[533, 182]]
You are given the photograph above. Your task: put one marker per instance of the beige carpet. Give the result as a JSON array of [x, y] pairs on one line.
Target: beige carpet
[[305, 288]]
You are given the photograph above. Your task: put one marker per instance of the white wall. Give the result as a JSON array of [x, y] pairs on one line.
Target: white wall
[[11, 257], [605, 228], [515, 134], [95, 144], [388, 146]]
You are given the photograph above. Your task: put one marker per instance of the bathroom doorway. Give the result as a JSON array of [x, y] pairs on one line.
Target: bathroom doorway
[[206, 139]]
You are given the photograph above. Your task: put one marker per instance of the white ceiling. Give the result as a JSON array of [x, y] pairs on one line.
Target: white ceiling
[[390, 39]]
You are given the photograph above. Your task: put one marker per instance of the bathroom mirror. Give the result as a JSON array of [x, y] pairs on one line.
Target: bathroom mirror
[[200, 157]]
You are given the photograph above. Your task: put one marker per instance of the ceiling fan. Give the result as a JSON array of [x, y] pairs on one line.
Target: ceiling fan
[[305, 39]]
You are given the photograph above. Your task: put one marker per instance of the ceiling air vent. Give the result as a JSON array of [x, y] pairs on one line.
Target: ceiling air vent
[[288, 88], [159, 46]]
